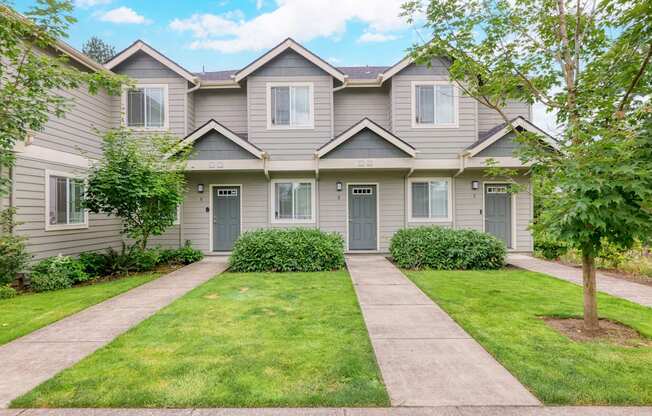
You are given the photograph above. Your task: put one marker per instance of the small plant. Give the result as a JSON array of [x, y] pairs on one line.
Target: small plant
[[287, 250], [13, 253], [58, 272], [95, 263], [143, 260], [187, 254], [7, 292], [446, 249], [548, 247]]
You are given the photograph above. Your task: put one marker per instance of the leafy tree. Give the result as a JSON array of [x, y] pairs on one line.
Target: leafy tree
[[97, 49], [136, 182], [13, 253], [33, 73], [589, 62]]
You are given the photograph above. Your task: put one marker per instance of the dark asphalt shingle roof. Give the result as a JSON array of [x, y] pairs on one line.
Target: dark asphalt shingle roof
[[354, 72]]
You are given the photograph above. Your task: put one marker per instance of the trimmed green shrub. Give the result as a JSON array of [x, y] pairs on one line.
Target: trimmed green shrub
[[287, 250], [446, 249], [94, 263], [57, 272], [183, 255], [13, 253], [143, 260], [7, 292]]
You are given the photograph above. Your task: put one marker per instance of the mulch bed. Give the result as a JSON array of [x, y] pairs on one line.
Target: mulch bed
[[610, 331]]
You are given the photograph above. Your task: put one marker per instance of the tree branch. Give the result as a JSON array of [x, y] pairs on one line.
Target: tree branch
[[641, 71]]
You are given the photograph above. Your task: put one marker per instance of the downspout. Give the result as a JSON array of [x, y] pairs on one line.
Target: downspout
[[265, 167], [405, 198], [453, 193], [195, 88], [317, 193], [461, 169]]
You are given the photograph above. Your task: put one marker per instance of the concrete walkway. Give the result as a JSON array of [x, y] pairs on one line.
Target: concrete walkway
[[36, 357], [621, 288], [425, 358], [395, 411]]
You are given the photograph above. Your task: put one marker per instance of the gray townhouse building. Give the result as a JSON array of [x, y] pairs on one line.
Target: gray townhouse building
[[287, 141]]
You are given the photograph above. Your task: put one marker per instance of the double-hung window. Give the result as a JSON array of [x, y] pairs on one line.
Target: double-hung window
[[145, 107], [290, 105], [430, 199], [64, 201], [293, 200], [434, 104]]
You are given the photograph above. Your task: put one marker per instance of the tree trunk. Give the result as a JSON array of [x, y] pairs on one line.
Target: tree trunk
[[590, 296], [143, 242]]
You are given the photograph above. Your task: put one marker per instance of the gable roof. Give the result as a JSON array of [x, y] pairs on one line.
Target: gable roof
[[212, 125], [365, 123], [491, 136], [140, 46], [289, 43]]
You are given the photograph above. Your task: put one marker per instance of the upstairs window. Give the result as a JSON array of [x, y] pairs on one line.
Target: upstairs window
[[290, 105], [434, 104], [430, 200], [293, 201], [64, 201], [145, 107]]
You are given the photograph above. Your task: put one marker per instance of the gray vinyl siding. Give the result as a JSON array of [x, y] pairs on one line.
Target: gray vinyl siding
[[80, 130], [503, 147], [289, 64], [365, 144], [145, 70], [190, 116], [214, 146], [431, 143], [469, 203], [489, 118], [333, 207], [289, 144], [353, 104], [29, 200], [227, 107]]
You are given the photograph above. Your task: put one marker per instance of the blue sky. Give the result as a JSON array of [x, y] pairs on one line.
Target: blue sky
[[228, 34]]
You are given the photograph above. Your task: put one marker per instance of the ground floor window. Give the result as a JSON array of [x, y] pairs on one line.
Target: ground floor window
[[293, 200], [64, 201], [430, 199]]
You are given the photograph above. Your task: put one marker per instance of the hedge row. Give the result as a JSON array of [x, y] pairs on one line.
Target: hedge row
[[287, 250], [446, 249]]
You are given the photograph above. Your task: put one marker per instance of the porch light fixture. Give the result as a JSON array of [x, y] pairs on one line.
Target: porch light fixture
[[338, 186], [200, 188], [475, 185]]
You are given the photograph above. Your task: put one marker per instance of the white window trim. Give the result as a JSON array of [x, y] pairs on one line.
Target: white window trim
[[166, 108], [59, 227], [311, 103], [272, 195], [456, 106], [449, 218]]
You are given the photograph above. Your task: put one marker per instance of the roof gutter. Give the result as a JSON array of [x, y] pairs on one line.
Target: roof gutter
[[462, 167]]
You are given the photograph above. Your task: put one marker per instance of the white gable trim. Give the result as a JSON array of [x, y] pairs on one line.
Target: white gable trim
[[214, 125], [142, 46], [288, 44], [366, 123], [404, 63], [519, 122]]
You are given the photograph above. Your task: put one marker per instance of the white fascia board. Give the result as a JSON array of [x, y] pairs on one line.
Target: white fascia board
[[519, 122], [356, 164], [224, 165], [212, 125], [141, 46], [366, 123], [288, 44], [405, 62], [503, 162], [52, 156]]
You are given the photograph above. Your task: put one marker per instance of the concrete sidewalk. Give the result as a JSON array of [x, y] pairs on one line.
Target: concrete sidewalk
[[631, 291], [37, 357], [394, 411], [425, 358]]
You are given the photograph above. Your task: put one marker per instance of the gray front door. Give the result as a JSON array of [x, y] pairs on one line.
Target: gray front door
[[498, 212], [226, 217], [362, 217]]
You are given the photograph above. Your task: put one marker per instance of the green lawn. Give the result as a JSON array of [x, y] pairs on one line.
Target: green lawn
[[27, 313], [501, 310], [239, 340]]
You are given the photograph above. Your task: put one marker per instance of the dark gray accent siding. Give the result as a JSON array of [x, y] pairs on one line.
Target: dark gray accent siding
[[503, 147], [365, 144], [140, 66], [289, 64], [214, 146]]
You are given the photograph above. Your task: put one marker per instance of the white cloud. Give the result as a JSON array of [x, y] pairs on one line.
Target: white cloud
[[302, 20], [369, 37], [91, 3], [333, 60], [123, 15]]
